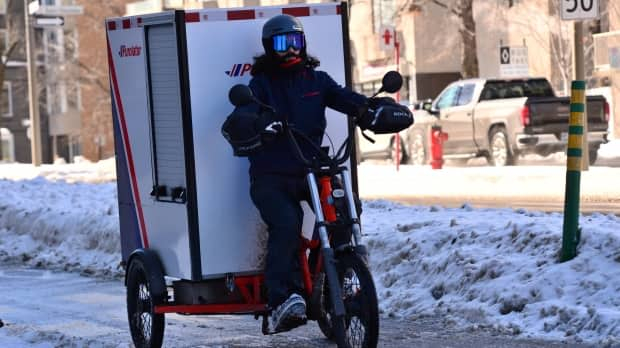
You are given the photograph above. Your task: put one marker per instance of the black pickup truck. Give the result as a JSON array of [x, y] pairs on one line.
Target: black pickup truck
[[502, 119]]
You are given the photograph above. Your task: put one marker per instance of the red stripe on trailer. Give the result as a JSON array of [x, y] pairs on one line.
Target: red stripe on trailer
[[212, 309], [191, 17], [139, 20], [297, 11], [338, 9], [240, 14], [126, 23], [111, 25], [123, 126]]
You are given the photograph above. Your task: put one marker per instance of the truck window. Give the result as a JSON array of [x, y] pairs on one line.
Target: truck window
[[466, 93], [448, 97], [534, 88]]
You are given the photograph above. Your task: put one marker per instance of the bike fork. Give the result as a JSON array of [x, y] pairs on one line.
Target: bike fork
[[329, 261], [360, 249]]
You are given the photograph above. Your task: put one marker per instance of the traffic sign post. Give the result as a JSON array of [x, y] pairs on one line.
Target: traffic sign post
[[388, 41], [577, 10]]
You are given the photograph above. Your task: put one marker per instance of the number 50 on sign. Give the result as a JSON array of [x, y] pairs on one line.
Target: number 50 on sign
[[579, 9]]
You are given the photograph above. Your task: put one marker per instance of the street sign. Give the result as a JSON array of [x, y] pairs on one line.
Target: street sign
[[386, 37], [579, 9], [48, 21], [59, 10], [513, 61], [33, 7]]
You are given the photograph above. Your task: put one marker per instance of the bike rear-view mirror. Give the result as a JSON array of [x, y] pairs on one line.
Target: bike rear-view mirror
[[240, 95], [392, 82]]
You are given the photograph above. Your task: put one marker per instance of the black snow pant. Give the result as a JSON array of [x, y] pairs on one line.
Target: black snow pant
[[277, 198]]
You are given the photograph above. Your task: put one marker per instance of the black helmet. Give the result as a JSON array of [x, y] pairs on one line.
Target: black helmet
[[280, 24]]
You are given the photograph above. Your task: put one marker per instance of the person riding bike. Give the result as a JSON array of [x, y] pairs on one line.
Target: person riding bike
[[292, 92]]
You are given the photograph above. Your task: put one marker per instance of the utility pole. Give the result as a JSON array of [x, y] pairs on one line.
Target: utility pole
[[33, 95]]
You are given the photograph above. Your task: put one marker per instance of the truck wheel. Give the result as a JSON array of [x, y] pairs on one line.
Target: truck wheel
[[417, 149], [499, 151], [592, 156], [402, 152]]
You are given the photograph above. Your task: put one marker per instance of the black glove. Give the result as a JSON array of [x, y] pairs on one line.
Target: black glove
[[374, 103], [385, 116], [367, 114], [268, 126]]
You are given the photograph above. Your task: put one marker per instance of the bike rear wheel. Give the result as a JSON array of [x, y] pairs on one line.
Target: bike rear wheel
[[361, 322]]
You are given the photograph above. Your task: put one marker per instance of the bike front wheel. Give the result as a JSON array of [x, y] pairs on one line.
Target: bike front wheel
[[361, 322]]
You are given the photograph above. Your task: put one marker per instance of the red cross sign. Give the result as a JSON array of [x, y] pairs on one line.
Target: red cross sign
[[386, 37]]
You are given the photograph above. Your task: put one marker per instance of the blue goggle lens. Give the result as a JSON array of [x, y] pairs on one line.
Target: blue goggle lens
[[282, 42]]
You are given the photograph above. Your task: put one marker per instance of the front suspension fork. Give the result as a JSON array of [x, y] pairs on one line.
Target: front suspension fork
[[329, 261]]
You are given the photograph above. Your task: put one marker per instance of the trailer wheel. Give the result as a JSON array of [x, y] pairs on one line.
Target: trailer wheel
[[147, 327]]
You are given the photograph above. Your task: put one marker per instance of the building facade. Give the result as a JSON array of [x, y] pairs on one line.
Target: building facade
[[430, 47], [14, 113]]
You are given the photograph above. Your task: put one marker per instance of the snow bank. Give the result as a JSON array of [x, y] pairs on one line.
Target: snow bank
[[494, 268], [60, 225]]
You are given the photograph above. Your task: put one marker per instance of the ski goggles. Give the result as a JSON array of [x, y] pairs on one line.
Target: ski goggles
[[282, 42]]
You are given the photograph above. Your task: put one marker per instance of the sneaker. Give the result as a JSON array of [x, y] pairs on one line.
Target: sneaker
[[289, 315]]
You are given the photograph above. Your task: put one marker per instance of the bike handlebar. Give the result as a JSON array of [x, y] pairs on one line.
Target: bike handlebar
[[324, 159]]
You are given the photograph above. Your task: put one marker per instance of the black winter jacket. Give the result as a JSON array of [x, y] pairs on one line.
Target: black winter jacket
[[299, 97]]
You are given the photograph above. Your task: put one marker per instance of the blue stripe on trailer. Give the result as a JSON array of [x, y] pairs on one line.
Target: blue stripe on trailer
[[237, 70], [130, 231]]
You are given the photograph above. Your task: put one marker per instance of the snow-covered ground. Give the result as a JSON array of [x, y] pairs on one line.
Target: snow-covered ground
[[476, 267]]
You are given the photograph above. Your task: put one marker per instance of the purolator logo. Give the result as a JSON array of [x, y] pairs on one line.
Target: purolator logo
[[132, 51], [239, 69]]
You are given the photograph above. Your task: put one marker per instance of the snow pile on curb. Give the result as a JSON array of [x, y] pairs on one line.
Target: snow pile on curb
[[59, 225], [478, 268], [496, 268]]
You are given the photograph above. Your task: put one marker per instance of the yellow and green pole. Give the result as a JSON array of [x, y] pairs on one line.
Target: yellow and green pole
[[571, 232]]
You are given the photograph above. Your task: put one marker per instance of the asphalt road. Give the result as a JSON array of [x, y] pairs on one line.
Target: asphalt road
[[69, 310]]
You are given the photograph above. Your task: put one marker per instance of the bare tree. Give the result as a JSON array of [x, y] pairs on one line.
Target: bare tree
[[462, 9]]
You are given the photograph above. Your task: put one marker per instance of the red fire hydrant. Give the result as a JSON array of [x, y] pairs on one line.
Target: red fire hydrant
[[437, 139]]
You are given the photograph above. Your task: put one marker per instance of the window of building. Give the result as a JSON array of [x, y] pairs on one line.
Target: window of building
[[8, 146], [4, 40], [6, 106], [2, 6]]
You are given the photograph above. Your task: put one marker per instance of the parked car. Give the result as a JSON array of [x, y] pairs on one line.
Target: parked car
[[500, 120]]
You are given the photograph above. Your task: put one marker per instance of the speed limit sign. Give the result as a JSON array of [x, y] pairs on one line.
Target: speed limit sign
[[579, 9]]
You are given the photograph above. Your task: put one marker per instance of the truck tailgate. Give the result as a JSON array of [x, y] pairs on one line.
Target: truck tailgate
[[550, 115]]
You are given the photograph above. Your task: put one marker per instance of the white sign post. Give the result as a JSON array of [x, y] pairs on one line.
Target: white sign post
[[579, 9]]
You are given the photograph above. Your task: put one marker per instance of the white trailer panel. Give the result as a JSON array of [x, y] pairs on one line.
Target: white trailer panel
[[181, 192]]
